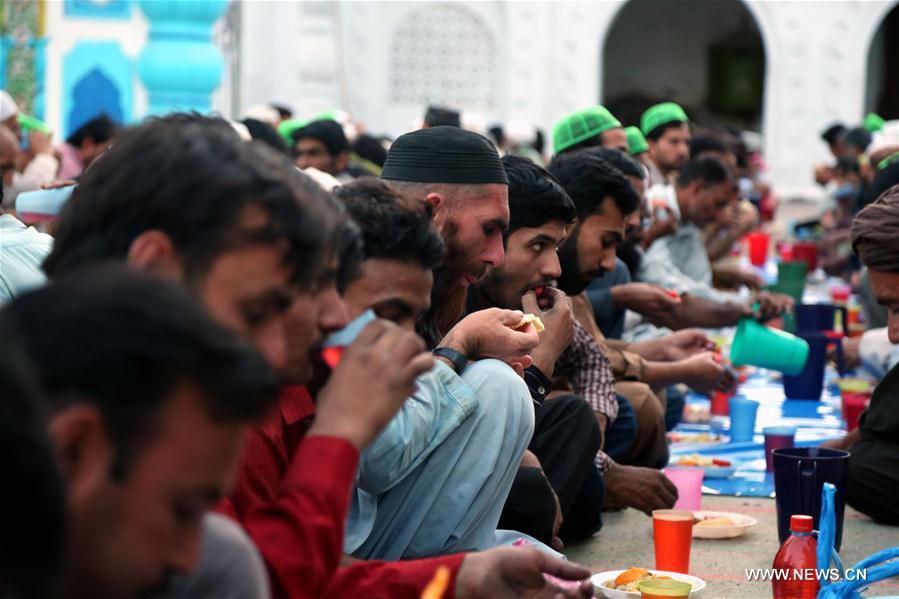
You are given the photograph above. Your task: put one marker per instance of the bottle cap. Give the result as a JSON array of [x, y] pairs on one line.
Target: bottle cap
[[801, 523]]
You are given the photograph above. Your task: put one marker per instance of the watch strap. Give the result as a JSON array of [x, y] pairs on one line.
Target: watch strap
[[457, 359]]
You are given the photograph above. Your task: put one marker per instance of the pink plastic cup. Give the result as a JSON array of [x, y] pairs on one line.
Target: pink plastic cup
[[689, 486]]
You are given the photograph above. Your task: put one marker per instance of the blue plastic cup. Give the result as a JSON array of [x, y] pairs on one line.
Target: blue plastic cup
[[742, 419]]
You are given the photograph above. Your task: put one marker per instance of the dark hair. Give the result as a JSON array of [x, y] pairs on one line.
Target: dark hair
[[589, 180], [266, 134], [496, 133], [539, 141], [833, 133], [283, 111], [709, 169], [392, 225], [883, 180], [535, 197], [350, 254], [439, 115], [329, 132], [370, 148], [590, 142], [627, 164], [707, 143], [124, 341], [192, 178], [100, 129], [32, 544], [657, 133], [858, 138]]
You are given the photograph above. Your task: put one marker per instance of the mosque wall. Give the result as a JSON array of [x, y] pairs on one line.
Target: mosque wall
[[383, 61]]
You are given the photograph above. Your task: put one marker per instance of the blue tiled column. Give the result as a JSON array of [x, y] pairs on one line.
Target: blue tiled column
[[180, 66]]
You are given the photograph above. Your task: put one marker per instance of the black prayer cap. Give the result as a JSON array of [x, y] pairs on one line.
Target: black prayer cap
[[444, 155], [438, 115]]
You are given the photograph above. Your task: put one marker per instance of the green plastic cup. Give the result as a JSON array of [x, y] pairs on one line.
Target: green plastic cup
[[795, 289], [758, 345], [665, 588], [792, 270], [30, 123]]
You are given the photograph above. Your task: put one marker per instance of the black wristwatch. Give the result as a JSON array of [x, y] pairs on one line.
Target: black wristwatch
[[538, 384], [458, 361]]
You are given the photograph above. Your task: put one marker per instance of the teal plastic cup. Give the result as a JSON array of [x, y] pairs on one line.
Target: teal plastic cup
[[792, 270], [757, 345]]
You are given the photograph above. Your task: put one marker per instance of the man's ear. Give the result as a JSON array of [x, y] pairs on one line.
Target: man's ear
[[439, 209], [83, 451], [340, 162], [87, 146], [153, 251]]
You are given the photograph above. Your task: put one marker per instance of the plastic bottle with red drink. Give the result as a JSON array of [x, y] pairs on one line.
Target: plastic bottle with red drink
[[796, 561]]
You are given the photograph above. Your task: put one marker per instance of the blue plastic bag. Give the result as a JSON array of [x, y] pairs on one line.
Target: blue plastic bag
[[851, 586]]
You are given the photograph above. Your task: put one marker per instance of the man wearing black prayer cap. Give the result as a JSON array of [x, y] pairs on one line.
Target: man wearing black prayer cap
[[435, 481], [438, 116], [874, 464]]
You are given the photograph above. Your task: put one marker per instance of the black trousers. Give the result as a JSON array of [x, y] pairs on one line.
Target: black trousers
[[874, 480], [566, 439]]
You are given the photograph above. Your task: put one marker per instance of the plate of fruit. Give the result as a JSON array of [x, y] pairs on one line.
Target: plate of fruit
[[714, 467], [721, 525]]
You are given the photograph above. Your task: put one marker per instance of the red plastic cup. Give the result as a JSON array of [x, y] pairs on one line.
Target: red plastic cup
[[808, 253], [785, 250], [720, 405], [672, 531], [758, 248], [853, 406], [840, 293]]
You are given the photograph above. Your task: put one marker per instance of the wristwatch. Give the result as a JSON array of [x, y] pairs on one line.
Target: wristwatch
[[458, 360]]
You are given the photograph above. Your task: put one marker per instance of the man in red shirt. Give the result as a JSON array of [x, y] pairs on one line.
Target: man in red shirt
[[184, 198]]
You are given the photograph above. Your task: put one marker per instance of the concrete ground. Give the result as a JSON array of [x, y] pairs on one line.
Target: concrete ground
[[626, 541], [626, 538]]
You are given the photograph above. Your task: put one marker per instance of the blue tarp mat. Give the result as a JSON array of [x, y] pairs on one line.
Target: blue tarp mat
[[816, 421]]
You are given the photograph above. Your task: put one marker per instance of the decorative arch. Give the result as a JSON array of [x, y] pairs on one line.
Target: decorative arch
[[446, 54], [724, 74], [97, 78], [94, 94], [882, 63]]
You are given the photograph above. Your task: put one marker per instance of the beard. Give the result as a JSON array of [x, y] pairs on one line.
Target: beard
[[448, 294], [571, 280]]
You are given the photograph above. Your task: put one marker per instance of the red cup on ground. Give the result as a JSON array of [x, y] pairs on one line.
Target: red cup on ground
[[758, 248], [777, 437], [808, 253], [840, 293], [672, 531], [853, 406], [720, 405], [785, 250]]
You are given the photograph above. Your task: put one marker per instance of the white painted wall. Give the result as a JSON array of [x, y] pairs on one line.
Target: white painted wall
[[315, 55]]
